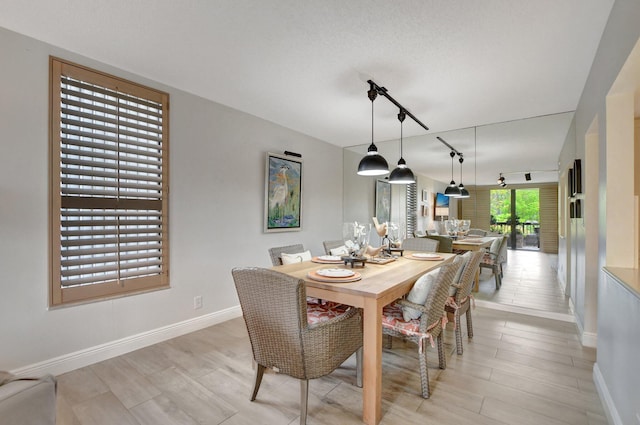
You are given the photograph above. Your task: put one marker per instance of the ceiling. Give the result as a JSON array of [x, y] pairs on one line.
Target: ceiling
[[454, 64]]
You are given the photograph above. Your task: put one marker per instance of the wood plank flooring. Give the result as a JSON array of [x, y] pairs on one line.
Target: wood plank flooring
[[530, 281], [518, 369]]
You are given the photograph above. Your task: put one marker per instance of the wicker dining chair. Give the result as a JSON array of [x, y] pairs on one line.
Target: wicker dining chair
[[428, 326], [275, 252], [282, 338], [329, 245], [420, 244], [459, 301], [494, 258]]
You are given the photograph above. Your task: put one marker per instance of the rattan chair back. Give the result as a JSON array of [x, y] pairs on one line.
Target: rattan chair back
[[275, 252], [329, 245], [420, 244]]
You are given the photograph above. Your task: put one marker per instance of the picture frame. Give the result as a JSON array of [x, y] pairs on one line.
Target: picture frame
[[283, 193], [383, 201], [577, 177], [570, 183], [572, 210], [425, 195], [578, 209]]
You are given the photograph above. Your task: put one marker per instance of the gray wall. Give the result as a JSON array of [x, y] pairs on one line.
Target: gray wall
[[217, 160], [600, 300]]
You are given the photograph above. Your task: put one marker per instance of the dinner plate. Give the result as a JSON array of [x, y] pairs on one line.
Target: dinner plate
[[425, 255], [330, 258], [335, 272]]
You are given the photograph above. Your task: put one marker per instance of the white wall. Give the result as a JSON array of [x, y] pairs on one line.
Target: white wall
[[217, 161], [617, 345]]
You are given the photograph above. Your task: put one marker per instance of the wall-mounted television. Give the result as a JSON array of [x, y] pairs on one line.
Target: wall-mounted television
[[441, 205]]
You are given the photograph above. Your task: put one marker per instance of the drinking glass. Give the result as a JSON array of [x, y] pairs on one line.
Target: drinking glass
[[463, 226], [356, 237], [452, 227]]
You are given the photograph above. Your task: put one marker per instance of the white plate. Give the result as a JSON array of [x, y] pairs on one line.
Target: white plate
[[425, 255], [335, 273], [329, 258]]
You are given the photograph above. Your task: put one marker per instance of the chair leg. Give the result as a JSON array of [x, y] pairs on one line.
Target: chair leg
[[469, 324], [458, 334], [386, 341], [496, 273], [304, 398], [424, 375], [259, 373], [442, 358], [359, 367]]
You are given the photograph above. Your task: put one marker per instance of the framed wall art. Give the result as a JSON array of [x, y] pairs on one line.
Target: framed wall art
[[577, 177], [283, 193], [383, 201]]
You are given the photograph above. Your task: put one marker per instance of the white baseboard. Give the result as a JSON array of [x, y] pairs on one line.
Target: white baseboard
[[607, 402], [88, 356], [590, 339], [528, 311]]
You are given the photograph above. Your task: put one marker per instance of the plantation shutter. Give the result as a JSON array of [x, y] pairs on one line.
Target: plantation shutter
[[412, 209], [110, 165]]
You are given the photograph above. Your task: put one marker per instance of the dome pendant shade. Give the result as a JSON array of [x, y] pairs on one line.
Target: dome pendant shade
[[373, 164], [452, 190], [402, 174]]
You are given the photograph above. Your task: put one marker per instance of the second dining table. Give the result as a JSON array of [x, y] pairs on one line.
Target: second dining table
[[473, 244], [377, 285]]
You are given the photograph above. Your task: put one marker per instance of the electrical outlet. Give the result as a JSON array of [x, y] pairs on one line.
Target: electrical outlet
[[197, 302]]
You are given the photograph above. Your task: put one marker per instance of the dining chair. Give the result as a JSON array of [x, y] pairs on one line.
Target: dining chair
[[275, 252], [494, 258], [420, 244], [430, 323], [286, 337], [445, 243], [329, 245], [477, 232], [460, 298]]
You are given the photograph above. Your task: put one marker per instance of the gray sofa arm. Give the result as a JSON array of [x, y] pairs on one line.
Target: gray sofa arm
[[28, 401]]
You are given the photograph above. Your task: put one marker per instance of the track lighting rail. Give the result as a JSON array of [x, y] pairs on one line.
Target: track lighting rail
[[382, 91]]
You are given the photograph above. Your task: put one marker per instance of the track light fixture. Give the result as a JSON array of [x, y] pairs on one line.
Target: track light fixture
[[401, 174], [373, 164], [527, 176], [501, 181], [464, 193], [452, 190]]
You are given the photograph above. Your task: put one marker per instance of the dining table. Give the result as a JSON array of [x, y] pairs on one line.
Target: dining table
[[371, 288], [473, 244]]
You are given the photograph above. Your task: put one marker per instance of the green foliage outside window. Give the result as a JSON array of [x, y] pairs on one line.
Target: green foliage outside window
[[527, 209]]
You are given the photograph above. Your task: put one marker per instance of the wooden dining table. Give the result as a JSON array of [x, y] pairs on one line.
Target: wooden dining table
[[473, 244], [380, 284]]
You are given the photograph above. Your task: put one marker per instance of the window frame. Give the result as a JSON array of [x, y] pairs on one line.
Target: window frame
[[129, 214]]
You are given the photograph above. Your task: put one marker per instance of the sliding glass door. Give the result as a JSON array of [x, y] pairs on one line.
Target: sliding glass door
[[516, 212]]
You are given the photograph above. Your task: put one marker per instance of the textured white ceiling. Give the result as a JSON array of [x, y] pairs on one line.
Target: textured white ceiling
[[304, 64]]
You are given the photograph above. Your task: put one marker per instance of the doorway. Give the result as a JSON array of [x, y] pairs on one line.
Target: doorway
[[516, 212]]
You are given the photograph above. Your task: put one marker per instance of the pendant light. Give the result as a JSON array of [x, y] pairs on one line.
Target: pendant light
[[464, 193], [401, 174], [452, 190], [373, 164]]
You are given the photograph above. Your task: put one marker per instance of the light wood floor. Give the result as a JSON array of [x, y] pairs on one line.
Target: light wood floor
[[530, 281], [518, 369]]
